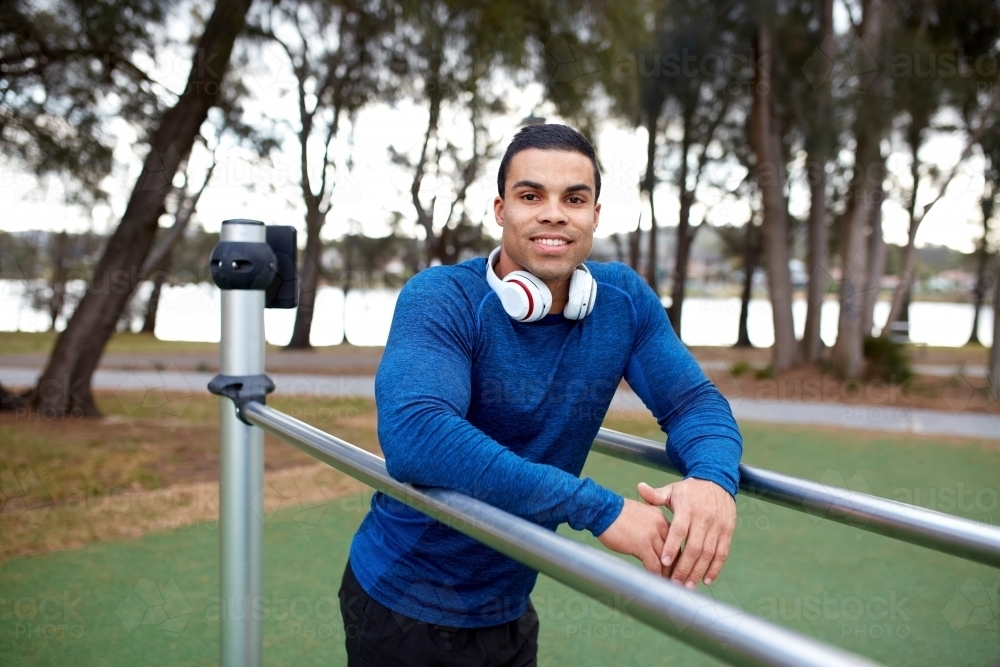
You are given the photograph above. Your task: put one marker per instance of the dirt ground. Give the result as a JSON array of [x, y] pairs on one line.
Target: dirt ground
[[66, 484], [956, 394]]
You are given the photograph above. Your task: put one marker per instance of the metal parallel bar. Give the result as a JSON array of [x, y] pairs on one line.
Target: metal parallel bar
[[723, 631], [942, 532]]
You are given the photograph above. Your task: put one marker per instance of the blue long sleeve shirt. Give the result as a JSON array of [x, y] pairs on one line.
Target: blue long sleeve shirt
[[506, 412]]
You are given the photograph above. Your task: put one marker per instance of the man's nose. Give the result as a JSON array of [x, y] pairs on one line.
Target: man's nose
[[552, 212]]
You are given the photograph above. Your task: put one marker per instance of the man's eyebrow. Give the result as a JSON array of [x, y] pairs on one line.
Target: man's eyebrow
[[580, 187], [528, 184]]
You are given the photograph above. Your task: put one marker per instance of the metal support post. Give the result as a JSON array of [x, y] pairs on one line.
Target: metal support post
[[241, 467]]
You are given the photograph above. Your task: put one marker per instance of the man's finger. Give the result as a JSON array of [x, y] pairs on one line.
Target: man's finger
[[693, 548], [721, 554], [675, 537], [707, 556], [650, 561], [653, 496]]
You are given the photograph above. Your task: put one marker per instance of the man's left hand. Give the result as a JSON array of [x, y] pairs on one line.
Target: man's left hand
[[704, 516]]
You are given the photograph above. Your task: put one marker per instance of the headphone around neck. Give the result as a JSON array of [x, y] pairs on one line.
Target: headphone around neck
[[527, 299]]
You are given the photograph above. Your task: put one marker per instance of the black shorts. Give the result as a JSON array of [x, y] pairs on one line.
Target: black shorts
[[379, 637]]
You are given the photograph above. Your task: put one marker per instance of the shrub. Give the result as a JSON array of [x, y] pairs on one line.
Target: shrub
[[887, 360], [739, 368]]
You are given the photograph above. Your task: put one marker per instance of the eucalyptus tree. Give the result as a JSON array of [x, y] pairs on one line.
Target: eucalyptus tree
[[868, 129], [990, 146], [766, 137], [952, 45], [64, 387], [340, 55], [462, 59], [69, 67], [680, 71]]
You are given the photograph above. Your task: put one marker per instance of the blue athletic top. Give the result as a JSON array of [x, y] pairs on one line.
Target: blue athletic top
[[506, 412]]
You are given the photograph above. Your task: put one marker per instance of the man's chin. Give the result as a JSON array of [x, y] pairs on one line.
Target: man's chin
[[553, 270]]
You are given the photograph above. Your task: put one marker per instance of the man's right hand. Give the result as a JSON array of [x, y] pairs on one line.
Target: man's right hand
[[639, 531]]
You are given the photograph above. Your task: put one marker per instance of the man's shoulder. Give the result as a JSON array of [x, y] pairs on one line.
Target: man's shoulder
[[617, 275], [456, 283]]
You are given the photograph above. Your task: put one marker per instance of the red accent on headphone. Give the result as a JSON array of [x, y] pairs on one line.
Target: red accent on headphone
[[531, 304]]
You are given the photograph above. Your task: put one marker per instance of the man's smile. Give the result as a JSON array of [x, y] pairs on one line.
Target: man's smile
[[551, 244]]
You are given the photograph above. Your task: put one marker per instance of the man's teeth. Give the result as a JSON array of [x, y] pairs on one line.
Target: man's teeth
[[551, 241]]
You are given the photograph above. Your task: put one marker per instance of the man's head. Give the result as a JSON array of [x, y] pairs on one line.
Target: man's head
[[548, 184]]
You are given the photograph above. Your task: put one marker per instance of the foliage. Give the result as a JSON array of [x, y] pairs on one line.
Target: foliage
[[69, 68], [887, 360]]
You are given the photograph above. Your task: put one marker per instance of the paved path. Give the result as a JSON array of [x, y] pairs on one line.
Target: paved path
[[887, 418]]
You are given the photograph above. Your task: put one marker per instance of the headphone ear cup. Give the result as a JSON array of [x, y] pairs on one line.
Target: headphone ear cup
[[582, 292], [593, 296], [531, 296]]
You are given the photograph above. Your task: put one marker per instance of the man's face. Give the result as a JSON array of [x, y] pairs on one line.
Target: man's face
[[548, 212]]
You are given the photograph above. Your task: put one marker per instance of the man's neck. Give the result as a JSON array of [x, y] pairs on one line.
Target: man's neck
[[559, 287]]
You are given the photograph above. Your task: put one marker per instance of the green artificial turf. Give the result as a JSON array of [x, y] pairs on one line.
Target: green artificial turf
[[152, 600]]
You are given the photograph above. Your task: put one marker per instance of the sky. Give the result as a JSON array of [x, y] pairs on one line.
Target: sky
[[366, 195]]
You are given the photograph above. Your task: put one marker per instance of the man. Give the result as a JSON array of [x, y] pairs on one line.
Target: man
[[494, 382]]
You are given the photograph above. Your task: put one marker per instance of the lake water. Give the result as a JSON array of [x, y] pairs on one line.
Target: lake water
[[192, 313]]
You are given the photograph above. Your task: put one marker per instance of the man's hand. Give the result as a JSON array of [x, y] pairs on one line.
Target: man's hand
[[704, 515], [640, 531]]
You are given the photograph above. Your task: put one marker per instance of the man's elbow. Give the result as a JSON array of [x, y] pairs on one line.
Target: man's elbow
[[400, 468]]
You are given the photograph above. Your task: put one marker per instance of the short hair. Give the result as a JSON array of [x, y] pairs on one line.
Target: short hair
[[549, 136]]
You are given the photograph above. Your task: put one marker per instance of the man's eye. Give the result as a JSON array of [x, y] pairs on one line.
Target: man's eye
[[575, 200], [530, 196]]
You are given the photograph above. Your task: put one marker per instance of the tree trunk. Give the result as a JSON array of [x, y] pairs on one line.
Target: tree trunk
[[900, 297], [848, 352], [149, 323], [64, 387], [876, 261], [682, 257], [649, 185], [684, 236], [634, 247], [58, 298], [818, 156], [619, 248], [751, 254], [765, 137], [982, 256], [994, 367], [308, 282], [8, 400]]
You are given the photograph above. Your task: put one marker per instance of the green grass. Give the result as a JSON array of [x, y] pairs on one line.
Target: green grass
[[888, 600], [20, 342]]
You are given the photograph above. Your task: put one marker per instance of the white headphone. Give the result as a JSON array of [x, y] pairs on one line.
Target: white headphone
[[527, 299]]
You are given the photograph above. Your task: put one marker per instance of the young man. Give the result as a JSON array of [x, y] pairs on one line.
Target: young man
[[495, 381]]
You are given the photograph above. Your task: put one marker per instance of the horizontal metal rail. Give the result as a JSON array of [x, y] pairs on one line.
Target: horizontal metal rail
[[723, 631], [942, 532]]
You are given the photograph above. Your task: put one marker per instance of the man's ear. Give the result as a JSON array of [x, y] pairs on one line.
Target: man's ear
[[498, 209], [597, 215]]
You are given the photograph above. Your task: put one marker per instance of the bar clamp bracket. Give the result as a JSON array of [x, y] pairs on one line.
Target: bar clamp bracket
[[242, 389]]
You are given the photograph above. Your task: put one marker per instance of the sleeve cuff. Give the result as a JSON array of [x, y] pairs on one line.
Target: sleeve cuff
[[725, 481], [608, 515]]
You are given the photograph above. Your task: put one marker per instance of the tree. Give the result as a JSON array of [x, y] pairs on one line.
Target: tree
[[68, 68], [766, 138], [869, 171], [337, 53], [813, 107], [990, 144], [452, 49], [64, 387], [968, 30]]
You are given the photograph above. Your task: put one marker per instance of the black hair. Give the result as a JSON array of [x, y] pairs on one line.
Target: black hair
[[550, 136]]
